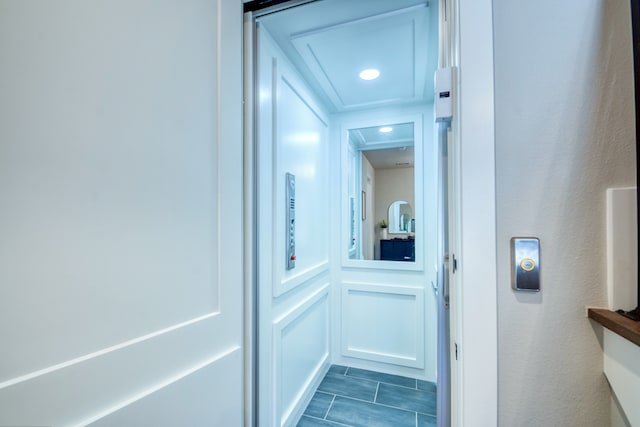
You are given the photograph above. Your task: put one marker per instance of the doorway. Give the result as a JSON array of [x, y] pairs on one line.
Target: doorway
[[326, 294]]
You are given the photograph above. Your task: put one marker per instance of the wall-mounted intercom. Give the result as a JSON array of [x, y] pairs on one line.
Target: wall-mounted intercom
[[444, 78], [290, 226], [525, 264]]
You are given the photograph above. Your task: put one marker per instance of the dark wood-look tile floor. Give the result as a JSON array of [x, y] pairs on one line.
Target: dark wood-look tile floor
[[359, 398]]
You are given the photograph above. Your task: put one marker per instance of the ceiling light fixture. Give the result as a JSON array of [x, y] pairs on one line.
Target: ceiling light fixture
[[386, 129], [369, 74]]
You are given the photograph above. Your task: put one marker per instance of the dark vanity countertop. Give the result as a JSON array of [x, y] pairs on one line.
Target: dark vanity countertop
[[617, 323]]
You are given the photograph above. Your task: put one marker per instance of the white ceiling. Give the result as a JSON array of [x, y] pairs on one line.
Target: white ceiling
[[370, 138], [385, 150], [390, 158], [331, 41]]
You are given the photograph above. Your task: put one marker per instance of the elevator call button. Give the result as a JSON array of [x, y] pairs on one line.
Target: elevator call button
[[525, 264]]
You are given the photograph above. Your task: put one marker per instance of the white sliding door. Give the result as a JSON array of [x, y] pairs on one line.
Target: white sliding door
[[121, 185]]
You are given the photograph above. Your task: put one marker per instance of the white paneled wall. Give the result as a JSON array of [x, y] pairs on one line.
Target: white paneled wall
[[120, 257], [301, 350], [294, 305], [384, 323], [385, 315]]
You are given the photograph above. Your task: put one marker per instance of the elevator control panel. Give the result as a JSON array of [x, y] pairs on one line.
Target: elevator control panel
[[525, 264], [290, 226]]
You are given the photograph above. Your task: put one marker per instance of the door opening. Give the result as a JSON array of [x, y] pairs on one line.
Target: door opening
[[318, 111]]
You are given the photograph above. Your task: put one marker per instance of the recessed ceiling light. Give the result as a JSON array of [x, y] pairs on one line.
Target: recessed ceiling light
[[369, 74], [386, 129]]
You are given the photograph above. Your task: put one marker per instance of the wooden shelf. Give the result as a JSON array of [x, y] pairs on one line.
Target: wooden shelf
[[617, 323]]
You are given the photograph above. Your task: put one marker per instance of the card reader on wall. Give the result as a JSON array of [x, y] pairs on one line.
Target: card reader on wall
[[525, 264], [444, 94]]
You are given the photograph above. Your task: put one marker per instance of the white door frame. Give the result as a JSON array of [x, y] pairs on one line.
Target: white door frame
[[473, 287], [250, 226]]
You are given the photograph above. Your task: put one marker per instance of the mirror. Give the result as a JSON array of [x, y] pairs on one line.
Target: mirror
[[380, 185], [401, 218]]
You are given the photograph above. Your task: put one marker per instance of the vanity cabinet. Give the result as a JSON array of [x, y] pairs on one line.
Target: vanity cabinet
[[398, 250]]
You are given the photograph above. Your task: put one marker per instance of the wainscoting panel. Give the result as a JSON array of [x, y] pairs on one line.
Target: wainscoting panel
[[300, 147], [301, 353], [302, 277], [85, 389], [188, 400], [294, 303], [383, 323]]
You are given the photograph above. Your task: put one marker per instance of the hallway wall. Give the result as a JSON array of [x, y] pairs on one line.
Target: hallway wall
[[564, 133]]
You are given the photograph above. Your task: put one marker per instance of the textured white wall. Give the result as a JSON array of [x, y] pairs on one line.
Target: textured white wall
[[564, 133]]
